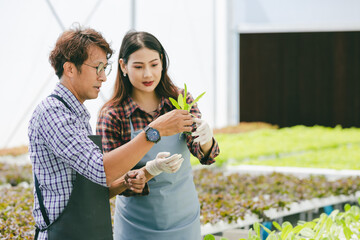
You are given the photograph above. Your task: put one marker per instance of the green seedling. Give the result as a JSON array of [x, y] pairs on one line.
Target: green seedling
[[181, 101], [182, 104]]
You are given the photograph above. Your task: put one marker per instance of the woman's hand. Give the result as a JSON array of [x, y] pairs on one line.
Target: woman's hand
[[173, 122], [203, 132], [164, 163]]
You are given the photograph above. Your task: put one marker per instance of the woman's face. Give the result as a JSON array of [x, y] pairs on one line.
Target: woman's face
[[143, 69]]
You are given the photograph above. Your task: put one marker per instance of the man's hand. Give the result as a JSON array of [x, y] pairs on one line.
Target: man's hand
[[135, 180], [164, 163], [173, 122]]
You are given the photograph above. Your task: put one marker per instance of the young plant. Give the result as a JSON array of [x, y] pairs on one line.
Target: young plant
[[182, 104], [181, 101]]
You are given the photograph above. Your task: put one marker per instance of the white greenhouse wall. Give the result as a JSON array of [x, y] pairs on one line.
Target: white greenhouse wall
[[201, 38]]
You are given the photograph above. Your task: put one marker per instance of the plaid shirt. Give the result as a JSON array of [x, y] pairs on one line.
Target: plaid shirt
[[59, 147], [114, 125]]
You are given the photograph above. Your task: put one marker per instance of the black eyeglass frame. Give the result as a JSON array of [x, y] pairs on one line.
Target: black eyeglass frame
[[101, 67]]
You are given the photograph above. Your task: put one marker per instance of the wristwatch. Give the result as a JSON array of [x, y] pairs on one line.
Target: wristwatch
[[152, 134]]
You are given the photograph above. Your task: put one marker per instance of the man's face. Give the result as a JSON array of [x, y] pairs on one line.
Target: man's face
[[86, 82]]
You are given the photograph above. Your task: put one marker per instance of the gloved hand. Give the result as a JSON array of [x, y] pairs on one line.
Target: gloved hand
[[164, 163], [203, 132]]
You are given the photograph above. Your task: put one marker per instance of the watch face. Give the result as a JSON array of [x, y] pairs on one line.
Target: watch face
[[153, 135]]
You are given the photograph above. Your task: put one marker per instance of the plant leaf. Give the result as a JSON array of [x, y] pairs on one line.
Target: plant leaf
[[286, 230], [198, 98], [180, 101], [209, 237], [174, 102], [266, 229], [347, 207], [328, 224], [307, 232], [185, 96], [257, 228], [190, 106], [278, 227], [298, 228], [348, 233]]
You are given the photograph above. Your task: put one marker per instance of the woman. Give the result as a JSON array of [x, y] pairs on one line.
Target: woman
[[142, 90]]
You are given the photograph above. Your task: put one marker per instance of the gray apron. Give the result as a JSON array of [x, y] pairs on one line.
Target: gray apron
[[87, 214], [171, 210]]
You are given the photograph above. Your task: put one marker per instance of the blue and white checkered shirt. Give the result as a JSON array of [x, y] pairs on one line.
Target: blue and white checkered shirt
[[59, 147]]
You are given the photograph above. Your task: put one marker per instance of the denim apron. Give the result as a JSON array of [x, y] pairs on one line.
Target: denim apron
[[171, 210]]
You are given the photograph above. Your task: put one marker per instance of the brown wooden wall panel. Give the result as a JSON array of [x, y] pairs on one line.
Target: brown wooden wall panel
[[300, 78]]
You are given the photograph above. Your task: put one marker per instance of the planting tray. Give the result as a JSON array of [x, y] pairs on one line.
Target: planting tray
[[331, 174], [294, 208]]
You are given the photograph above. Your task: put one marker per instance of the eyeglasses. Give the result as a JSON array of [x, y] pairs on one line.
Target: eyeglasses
[[102, 68]]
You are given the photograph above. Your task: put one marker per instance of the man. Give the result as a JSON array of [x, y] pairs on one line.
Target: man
[[71, 199]]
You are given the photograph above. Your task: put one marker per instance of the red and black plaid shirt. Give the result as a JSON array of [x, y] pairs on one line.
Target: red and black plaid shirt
[[114, 125]]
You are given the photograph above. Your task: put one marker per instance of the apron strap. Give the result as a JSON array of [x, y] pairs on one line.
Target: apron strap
[[37, 230], [37, 186], [41, 202], [61, 100], [131, 125]]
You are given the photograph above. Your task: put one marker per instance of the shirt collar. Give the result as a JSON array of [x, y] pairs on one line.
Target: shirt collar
[[77, 107], [130, 105]]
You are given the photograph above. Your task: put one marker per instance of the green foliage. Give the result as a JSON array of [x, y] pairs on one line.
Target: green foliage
[[14, 174], [230, 197], [316, 146], [16, 221], [342, 157], [338, 225], [222, 198], [181, 101], [209, 237]]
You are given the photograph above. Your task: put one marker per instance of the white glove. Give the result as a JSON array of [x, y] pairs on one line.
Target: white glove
[[164, 163], [203, 132]]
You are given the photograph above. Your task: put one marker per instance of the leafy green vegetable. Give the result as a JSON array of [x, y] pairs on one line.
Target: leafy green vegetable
[[181, 101], [230, 198], [323, 228]]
